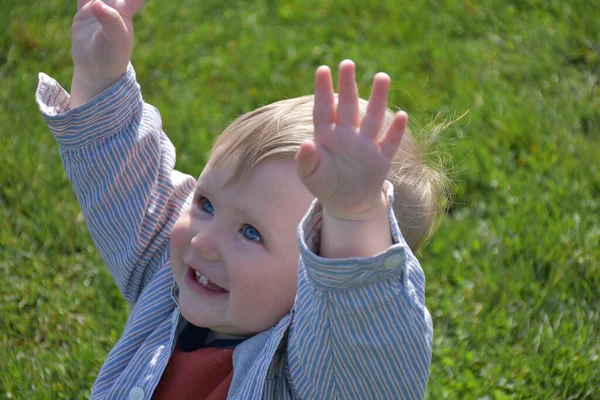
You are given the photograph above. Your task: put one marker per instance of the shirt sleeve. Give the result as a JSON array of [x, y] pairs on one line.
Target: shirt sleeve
[[360, 328], [121, 166]]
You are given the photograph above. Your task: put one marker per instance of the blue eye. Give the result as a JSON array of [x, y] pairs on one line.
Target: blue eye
[[206, 206], [251, 233]]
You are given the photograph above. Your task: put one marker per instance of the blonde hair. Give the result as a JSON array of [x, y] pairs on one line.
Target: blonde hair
[[280, 128]]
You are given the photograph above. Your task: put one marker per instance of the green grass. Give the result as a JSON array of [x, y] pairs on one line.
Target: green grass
[[513, 271]]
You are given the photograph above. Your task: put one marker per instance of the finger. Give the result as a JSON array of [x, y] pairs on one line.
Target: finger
[[307, 159], [391, 140], [114, 27], [324, 103], [81, 3], [373, 119], [347, 109]]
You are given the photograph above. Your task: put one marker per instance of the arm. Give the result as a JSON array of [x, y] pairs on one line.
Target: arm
[[360, 327], [120, 164]]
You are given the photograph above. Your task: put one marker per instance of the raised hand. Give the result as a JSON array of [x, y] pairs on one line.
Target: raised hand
[[345, 164], [102, 42]]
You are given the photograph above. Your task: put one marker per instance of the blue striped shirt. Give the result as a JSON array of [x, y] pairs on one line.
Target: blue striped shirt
[[359, 328]]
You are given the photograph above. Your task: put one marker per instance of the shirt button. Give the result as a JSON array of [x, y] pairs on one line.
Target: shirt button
[[137, 393], [393, 261]]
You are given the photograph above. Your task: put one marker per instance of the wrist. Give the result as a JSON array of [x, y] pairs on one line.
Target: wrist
[[369, 211], [84, 89], [356, 235]]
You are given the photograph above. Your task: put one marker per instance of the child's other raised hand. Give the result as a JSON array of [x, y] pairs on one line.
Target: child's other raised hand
[[102, 40], [344, 166]]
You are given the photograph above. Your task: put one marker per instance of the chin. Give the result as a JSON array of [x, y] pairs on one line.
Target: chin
[[190, 317]]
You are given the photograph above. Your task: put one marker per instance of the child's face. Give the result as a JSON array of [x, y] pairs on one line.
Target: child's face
[[242, 238]]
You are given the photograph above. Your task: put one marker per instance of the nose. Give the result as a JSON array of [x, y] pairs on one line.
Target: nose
[[204, 244]]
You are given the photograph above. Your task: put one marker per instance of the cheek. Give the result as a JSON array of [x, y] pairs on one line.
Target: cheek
[[283, 290], [280, 289], [265, 292], [180, 233]]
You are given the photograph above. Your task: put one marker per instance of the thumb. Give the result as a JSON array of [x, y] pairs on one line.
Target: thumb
[[307, 159], [113, 26]]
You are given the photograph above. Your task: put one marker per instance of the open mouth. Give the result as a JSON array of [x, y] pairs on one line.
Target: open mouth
[[202, 284]]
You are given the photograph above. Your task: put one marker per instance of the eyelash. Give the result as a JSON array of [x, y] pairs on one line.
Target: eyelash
[[202, 201]]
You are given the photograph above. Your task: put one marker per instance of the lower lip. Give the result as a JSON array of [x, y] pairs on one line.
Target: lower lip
[[196, 287]]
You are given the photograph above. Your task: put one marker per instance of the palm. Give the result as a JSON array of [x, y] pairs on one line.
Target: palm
[[103, 51], [346, 164], [343, 150]]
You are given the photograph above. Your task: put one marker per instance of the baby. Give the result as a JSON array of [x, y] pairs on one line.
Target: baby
[[286, 270]]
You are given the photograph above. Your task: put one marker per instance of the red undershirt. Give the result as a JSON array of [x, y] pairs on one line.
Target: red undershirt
[[203, 374], [197, 372]]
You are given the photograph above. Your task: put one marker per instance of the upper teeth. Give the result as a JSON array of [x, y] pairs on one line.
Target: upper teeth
[[201, 278]]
